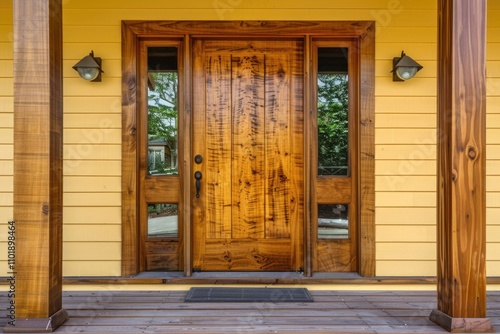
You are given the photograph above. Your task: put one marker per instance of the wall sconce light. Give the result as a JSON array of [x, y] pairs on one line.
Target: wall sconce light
[[404, 68], [89, 68]]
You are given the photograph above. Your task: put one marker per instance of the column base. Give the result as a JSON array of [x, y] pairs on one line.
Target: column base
[[461, 325], [38, 325]]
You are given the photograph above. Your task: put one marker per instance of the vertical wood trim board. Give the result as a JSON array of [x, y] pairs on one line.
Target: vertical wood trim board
[[130, 206]]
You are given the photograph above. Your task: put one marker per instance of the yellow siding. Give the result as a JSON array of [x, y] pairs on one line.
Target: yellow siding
[[406, 233], [493, 166], [106, 267], [7, 183], [405, 166], [91, 200], [84, 233], [92, 136], [406, 268], [6, 128], [95, 168], [493, 215], [6, 200], [410, 252], [493, 141], [91, 184], [406, 121], [394, 105], [407, 183], [405, 135], [86, 151], [92, 149], [97, 215], [407, 215]]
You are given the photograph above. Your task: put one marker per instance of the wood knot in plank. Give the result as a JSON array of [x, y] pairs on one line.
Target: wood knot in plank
[[471, 153], [365, 122], [45, 208], [454, 175]]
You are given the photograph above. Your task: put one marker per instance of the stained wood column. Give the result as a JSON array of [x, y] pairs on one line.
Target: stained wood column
[[38, 117], [461, 305]]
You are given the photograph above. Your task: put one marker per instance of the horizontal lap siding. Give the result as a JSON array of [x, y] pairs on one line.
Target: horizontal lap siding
[[92, 230], [92, 151], [405, 137], [406, 154], [493, 141], [6, 128], [405, 123]]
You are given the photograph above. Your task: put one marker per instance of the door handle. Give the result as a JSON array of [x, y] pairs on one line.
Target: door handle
[[198, 176]]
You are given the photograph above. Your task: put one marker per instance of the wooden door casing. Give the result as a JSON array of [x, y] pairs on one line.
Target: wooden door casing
[[248, 126], [134, 32]]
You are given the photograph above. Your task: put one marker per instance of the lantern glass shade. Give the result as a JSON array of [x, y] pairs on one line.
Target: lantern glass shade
[[406, 72], [88, 73]]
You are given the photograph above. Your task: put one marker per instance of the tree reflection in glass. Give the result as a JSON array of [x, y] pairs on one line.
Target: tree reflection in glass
[[162, 123]]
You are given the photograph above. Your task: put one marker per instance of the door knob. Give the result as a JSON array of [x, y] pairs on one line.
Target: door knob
[[198, 176]]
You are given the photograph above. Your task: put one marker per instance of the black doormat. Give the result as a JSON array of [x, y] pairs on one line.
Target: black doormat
[[275, 295]]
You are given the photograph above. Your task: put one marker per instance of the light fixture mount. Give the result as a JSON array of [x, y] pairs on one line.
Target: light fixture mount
[[89, 68], [404, 68]]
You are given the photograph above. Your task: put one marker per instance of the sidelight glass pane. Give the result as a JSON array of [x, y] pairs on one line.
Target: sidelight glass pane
[[163, 221], [163, 118], [333, 112], [333, 221]]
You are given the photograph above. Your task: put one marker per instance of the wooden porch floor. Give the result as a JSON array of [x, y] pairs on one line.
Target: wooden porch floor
[[331, 312]]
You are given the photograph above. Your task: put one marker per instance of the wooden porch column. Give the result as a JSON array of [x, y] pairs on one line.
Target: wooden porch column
[[461, 232], [38, 115]]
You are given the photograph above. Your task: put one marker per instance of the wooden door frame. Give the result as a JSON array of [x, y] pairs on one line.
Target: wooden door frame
[[156, 189], [133, 31]]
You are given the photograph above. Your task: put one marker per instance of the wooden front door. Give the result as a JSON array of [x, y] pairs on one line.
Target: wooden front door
[[247, 146]]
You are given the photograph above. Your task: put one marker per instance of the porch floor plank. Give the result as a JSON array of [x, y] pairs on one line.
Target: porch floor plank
[[331, 312]]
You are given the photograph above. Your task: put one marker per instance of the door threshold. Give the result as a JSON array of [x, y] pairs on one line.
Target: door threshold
[[244, 274], [214, 277]]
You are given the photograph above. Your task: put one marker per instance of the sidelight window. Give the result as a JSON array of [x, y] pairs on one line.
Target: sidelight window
[[163, 112], [333, 112], [336, 157], [333, 135]]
